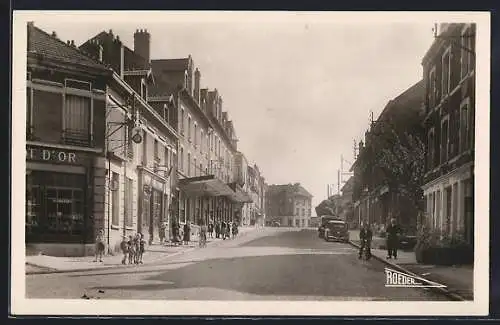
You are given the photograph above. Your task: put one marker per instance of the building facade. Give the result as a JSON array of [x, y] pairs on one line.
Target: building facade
[[289, 205], [376, 194], [141, 145], [207, 190], [449, 75], [65, 132]]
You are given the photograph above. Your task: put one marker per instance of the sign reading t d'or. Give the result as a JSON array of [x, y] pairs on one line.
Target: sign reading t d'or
[[54, 155]]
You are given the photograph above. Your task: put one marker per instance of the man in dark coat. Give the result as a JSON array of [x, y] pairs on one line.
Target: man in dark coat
[[393, 231], [365, 236]]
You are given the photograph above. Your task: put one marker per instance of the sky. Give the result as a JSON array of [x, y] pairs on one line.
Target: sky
[[299, 92]]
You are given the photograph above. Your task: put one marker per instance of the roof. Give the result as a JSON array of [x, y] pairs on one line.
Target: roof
[[170, 64], [291, 189], [40, 42]]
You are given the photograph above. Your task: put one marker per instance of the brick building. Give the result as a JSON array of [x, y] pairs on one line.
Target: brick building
[[449, 76]]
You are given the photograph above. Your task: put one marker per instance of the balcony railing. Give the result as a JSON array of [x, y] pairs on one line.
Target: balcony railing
[[77, 138]]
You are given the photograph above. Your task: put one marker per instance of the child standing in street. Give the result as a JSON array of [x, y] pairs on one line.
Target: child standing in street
[[142, 248], [131, 250], [124, 248], [99, 245]]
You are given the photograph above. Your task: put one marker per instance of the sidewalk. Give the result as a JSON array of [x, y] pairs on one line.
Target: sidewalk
[[38, 264], [457, 279]]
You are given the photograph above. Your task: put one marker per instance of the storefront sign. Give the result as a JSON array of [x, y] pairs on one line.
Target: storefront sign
[[55, 155]]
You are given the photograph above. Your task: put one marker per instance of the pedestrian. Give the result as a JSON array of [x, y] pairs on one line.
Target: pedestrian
[[228, 230], [217, 229], [187, 233], [162, 232], [131, 249], [223, 230], [124, 248], [211, 229], [365, 236], [235, 229], [203, 235], [99, 245], [392, 231], [142, 248]]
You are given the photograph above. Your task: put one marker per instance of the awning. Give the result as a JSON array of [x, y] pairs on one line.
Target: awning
[[239, 195], [204, 186]]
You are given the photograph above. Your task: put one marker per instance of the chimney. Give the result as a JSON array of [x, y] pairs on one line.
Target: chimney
[[73, 43], [197, 76], [142, 44], [54, 34]]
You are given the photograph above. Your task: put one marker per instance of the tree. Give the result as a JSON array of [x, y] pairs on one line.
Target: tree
[[326, 207], [404, 165]]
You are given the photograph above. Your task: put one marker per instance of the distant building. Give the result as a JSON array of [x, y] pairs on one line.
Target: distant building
[[289, 205], [449, 76]]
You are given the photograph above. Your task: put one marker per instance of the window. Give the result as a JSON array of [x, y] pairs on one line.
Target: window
[[297, 211], [128, 202], [156, 153], [182, 121], [144, 90], [218, 152], [446, 72], [54, 205], [444, 140], [145, 148], [189, 165], [303, 212], [115, 199], [185, 79], [195, 135], [202, 139], [201, 170], [432, 88], [465, 125], [430, 149], [466, 43], [181, 158], [167, 157], [189, 128], [76, 120], [195, 166]]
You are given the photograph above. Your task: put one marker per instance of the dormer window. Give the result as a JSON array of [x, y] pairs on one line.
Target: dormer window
[[185, 79], [144, 89]]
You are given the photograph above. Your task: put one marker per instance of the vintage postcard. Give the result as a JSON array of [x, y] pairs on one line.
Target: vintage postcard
[[250, 163]]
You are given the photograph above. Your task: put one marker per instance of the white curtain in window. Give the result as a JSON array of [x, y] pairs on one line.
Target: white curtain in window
[[77, 113]]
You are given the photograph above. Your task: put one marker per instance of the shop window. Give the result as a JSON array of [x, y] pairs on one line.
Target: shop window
[[55, 204]]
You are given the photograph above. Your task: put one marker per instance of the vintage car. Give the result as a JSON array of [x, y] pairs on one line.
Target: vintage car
[[324, 220], [336, 230]]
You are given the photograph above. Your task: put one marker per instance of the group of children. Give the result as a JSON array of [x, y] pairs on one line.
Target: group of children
[[133, 249]]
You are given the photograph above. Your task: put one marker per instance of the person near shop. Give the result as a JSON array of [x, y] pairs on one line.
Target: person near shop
[[393, 231], [211, 229], [187, 233], [141, 248], [217, 229], [365, 236], [223, 230], [131, 250], [99, 246]]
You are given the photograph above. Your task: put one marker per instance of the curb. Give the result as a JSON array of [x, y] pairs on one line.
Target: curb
[[444, 291], [50, 270]]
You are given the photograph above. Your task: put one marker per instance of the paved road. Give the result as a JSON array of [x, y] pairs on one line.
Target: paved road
[[271, 264]]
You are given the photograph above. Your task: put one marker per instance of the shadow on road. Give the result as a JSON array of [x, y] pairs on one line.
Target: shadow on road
[[280, 275]]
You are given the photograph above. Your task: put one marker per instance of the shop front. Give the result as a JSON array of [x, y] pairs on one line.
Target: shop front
[[59, 201], [153, 197]]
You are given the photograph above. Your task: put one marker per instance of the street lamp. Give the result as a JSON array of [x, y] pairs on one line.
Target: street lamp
[[130, 120]]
